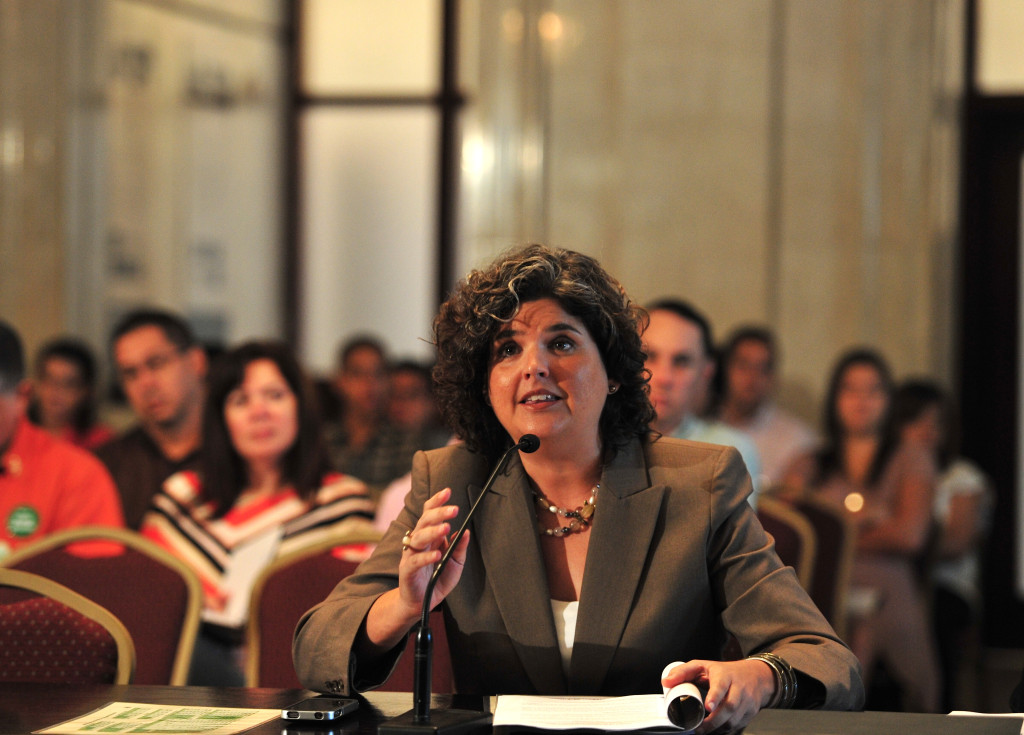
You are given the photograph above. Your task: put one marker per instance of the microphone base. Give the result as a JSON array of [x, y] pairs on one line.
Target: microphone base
[[442, 722]]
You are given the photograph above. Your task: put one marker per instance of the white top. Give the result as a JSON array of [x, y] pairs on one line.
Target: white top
[[780, 438], [961, 574], [564, 614]]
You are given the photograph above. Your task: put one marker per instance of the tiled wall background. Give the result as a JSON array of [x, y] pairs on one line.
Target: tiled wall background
[[786, 161]]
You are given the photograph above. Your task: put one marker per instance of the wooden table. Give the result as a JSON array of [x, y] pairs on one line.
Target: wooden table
[[28, 707]]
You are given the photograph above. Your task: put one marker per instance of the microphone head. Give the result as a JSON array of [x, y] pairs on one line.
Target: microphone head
[[528, 443]]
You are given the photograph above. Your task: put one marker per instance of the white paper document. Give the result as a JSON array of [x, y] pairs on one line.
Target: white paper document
[[1018, 715], [129, 717], [247, 561], [636, 712]]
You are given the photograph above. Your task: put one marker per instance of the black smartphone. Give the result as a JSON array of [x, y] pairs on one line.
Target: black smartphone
[[321, 709]]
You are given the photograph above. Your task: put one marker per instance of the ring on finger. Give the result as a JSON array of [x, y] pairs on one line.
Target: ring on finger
[[407, 543]]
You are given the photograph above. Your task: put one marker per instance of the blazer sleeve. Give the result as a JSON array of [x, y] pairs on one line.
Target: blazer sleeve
[[322, 648], [762, 602]]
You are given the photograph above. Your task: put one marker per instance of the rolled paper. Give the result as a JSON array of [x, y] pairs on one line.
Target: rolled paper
[[684, 705]]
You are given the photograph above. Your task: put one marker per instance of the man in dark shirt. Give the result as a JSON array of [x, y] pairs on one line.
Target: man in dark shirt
[[162, 370], [354, 439], [386, 415]]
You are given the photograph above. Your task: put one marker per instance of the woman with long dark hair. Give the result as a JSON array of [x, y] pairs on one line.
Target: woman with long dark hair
[[263, 483], [924, 415], [64, 393], [886, 490]]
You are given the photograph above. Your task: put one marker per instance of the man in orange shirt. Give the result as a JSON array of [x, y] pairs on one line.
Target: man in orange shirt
[[46, 484]]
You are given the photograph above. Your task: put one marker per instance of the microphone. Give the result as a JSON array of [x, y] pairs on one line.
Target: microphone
[[418, 720]]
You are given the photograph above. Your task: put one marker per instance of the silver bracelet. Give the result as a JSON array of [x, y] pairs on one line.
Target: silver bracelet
[[785, 679]]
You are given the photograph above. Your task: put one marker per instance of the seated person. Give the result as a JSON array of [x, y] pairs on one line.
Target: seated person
[[924, 415], [412, 409], [263, 480], [600, 557], [750, 362], [885, 488], [681, 361], [356, 439], [64, 394], [162, 371], [413, 412], [46, 484]]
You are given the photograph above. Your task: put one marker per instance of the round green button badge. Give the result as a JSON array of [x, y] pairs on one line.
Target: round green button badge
[[23, 521]]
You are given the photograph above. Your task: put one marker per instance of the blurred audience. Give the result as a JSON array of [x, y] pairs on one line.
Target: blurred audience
[[64, 393], [391, 501], [387, 415], [263, 490], [46, 484], [353, 439], [680, 358], [886, 488], [924, 415], [749, 365], [254, 475], [162, 369], [411, 405]]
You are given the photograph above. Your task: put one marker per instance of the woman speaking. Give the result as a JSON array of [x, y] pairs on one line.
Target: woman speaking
[[598, 558]]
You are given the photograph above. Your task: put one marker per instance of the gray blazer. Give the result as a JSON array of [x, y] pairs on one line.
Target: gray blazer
[[677, 560]]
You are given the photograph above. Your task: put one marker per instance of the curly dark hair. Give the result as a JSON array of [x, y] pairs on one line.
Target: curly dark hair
[[482, 304]]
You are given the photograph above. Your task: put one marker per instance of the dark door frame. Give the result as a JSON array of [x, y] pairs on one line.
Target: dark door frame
[[989, 319], [449, 102]]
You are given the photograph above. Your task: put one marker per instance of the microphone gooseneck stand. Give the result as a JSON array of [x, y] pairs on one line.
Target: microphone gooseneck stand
[[420, 720]]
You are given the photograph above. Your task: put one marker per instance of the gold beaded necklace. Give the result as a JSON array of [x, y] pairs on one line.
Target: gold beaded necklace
[[579, 519]]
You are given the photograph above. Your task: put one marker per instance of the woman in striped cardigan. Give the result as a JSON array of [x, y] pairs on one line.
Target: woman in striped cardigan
[[263, 490]]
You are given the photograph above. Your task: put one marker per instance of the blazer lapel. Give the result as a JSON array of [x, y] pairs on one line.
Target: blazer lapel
[[505, 529], [627, 513]]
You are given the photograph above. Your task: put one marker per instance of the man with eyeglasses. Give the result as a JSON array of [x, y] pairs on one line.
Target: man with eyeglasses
[[46, 484], [162, 370]]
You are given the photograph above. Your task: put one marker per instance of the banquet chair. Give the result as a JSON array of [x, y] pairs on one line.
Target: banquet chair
[[293, 584], [155, 595], [52, 635], [284, 591], [795, 539], [837, 539]]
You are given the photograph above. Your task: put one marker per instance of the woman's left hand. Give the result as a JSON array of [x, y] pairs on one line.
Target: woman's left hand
[[736, 690]]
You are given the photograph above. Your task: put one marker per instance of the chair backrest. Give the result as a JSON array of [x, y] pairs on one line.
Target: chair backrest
[[155, 595], [795, 538], [283, 592], [50, 634], [293, 584], [837, 540]]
